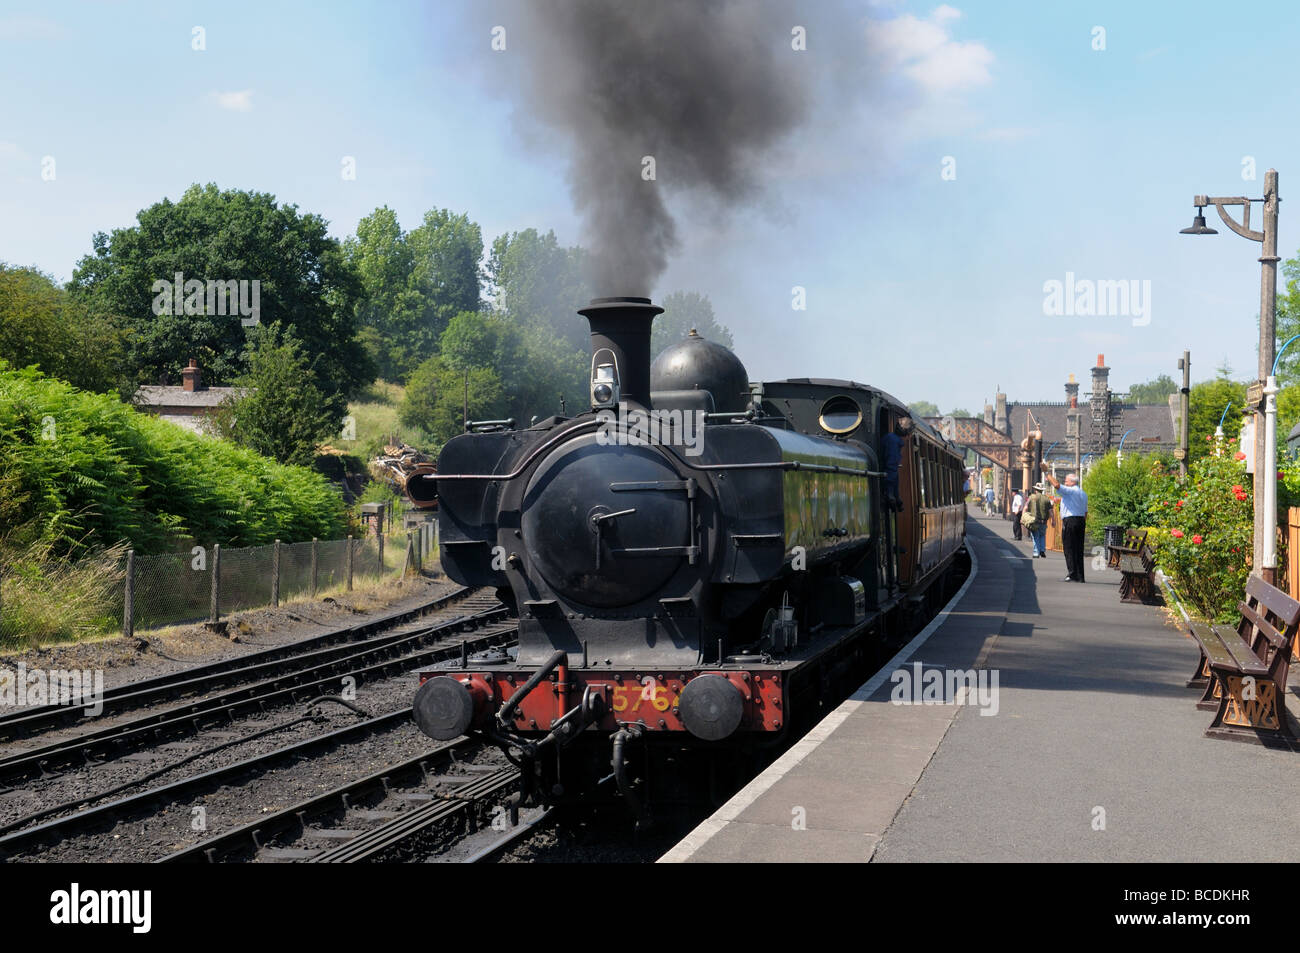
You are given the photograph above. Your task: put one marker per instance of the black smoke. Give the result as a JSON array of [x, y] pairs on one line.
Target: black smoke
[[706, 88]]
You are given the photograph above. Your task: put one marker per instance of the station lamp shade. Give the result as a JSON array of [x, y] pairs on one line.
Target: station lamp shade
[[1198, 225]]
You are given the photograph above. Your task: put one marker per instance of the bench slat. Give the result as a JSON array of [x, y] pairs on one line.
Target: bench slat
[[1274, 600], [1226, 652], [1261, 624]]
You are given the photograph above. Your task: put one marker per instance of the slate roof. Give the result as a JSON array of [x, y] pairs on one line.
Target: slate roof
[[155, 395]]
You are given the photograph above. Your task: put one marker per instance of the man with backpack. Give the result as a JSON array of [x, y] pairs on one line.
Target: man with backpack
[[1034, 516]]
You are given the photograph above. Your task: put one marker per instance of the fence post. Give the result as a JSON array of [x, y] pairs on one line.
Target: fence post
[[314, 556], [350, 552], [128, 602], [275, 574], [215, 612], [381, 549], [406, 559]]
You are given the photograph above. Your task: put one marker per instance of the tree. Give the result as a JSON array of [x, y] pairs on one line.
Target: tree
[[42, 325], [923, 408], [216, 239], [684, 311], [439, 396], [414, 283], [1209, 400], [540, 284], [279, 411], [1155, 391], [959, 412]]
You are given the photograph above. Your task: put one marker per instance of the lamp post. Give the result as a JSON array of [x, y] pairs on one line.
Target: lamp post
[[1267, 323], [1184, 410], [1270, 456], [1119, 454], [1218, 431]]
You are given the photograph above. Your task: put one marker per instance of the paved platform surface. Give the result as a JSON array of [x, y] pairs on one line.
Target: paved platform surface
[[1095, 751]]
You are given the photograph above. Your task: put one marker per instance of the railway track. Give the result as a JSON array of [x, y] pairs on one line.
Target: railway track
[[388, 656], [368, 817], [83, 815], [24, 722]]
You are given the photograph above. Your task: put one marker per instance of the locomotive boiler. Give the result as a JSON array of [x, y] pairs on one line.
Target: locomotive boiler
[[696, 562]]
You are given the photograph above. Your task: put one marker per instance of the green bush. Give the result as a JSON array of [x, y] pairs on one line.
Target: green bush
[[1120, 494], [85, 471], [1204, 534]]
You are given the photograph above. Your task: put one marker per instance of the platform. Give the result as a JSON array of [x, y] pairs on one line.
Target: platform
[[1095, 751]]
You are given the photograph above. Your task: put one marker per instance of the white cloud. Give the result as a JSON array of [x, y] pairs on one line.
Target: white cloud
[[241, 101], [925, 51]]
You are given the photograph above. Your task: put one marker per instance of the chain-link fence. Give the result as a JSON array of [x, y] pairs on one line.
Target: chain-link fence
[[203, 583]]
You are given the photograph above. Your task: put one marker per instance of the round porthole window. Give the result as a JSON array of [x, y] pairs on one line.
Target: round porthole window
[[840, 415]]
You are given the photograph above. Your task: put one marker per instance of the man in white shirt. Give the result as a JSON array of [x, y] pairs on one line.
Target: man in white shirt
[[1074, 516], [1017, 504]]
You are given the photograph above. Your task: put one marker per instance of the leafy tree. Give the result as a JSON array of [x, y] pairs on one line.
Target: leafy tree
[[438, 398], [923, 408], [1155, 391], [959, 412], [1208, 402], [684, 310], [305, 283], [540, 284], [1120, 494], [414, 284], [41, 325], [279, 411]]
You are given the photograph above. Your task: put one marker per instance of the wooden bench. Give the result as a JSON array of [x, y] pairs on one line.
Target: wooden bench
[[1134, 540], [1244, 671], [1138, 583]]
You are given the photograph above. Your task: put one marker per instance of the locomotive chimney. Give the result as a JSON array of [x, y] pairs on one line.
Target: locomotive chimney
[[620, 344]]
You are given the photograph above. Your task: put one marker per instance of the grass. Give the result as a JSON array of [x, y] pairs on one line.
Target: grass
[[46, 600], [374, 415]]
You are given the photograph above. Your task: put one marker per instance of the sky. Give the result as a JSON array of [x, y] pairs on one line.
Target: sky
[[955, 161]]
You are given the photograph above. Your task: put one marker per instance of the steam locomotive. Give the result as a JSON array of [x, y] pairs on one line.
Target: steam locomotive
[[698, 563]]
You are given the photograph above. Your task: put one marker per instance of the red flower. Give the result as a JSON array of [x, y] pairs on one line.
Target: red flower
[[1237, 489], [1176, 533], [1239, 455], [1178, 505], [1207, 438], [1281, 475], [1197, 540]]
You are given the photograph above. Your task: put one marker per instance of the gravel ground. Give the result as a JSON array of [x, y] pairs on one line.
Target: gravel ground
[[163, 651], [170, 829]]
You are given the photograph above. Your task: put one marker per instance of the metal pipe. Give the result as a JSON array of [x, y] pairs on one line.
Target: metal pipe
[[507, 711], [1270, 478], [621, 738], [1119, 454]]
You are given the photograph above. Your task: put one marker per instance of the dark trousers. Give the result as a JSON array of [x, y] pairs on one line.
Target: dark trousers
[[1016, 527], [1072, 543]]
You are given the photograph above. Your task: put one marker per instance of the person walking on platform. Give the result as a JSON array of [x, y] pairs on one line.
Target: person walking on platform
[[1034, 515], [988, 501], [1017, 504], [1074, 516]]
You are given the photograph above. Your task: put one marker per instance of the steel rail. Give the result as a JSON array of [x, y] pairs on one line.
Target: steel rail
[[371, 843], [251, 837], [192, 718], [20, 723]]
